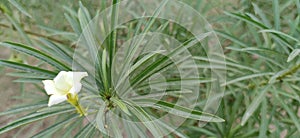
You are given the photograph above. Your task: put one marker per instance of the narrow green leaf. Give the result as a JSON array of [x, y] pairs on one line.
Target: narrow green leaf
[[73, 126], [257, 24], [27, 68], [226, 63], [19, 28], [174, 82], [264, 124], [151, 69], [179, 110], [63, 54], [232, 38], [201, 130], [273, 79], [291, 113], [104, 70], [254, 104], [174, 130], [114, 126], [31, 118], [280, 33], [294, 54], [100, 119], [146, 119], [38, 54], [27, 75], [74, 24], [23, 109], [246, 78], [83, 16], [262, 15], [29, 80], [20, 8], [121, 105], [276, 14], [113, 36], [133, 130], [55, 127], [84, 132], [252, 50]]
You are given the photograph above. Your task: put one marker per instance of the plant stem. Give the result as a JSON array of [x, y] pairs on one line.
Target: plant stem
[[290, 72], [113, 36]]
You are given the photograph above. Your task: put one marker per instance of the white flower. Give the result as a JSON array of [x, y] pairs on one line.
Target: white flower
[[63, 85]]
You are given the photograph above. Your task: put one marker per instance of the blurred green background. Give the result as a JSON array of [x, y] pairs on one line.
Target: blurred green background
[[258, 37]]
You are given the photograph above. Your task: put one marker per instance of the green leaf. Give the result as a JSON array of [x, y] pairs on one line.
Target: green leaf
[[274, 78], [234, 81], [227, 63], [179, 110], [152, 68], [134, 45], [23, 109], [27, 68], [201, 130], [33, 52], [294, 54], [254, 104], [84, 132], [279, 33], [174, 82], [83, 16], [59, 51], [113, 37], [27, 75], [262, 15], [114, 126], [146, 119], [74, 24], [73, 126], [275, 6], [172, 129], [55, 127], [252, 50], [264, 121], [31, 118], [292, 114], [121, 105], [29, 80], [20, 8], [19, 29], [100, 119], [104, 70], [257, 24]]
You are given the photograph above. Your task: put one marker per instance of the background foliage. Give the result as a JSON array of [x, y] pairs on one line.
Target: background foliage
[[260, 40]]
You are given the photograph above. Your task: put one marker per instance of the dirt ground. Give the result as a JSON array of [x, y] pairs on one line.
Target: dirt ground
[[8, 89]]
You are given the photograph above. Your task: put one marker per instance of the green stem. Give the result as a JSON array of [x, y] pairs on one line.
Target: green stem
[[80, 110], [290, 72], [73, 100]]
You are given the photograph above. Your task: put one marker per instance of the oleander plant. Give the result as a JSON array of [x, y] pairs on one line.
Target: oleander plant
[[149, 68]]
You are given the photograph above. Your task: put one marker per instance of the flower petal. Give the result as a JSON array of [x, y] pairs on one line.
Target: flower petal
[[50, 87], [76, 88], [61, 81], [56, 99], [73, 78]]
